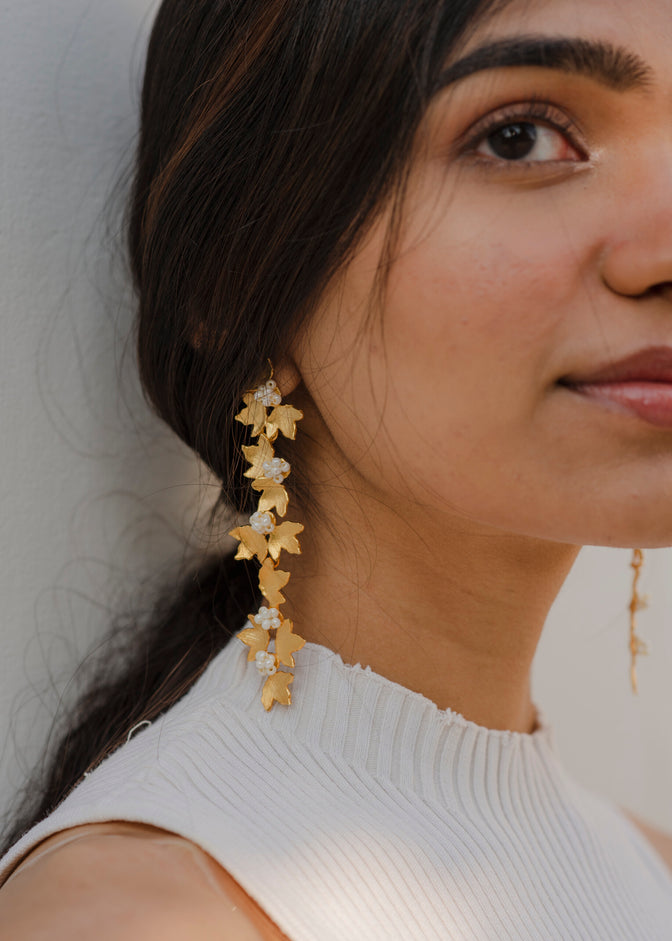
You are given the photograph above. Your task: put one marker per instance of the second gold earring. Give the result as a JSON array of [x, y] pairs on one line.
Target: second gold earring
[[637, 603]]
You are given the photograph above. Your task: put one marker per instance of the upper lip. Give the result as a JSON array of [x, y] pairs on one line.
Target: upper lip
[[653, 364]]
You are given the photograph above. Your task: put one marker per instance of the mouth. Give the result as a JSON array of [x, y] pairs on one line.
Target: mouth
[[650, 401], [640, 384]]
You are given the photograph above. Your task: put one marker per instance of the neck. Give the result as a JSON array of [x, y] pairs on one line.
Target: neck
[[445, 607]]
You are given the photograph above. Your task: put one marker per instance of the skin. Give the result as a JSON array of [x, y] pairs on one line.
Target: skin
[[454, 480], [124, 880]]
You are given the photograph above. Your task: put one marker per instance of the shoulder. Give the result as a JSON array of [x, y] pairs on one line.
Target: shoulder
[[113, 881], [661, 841]]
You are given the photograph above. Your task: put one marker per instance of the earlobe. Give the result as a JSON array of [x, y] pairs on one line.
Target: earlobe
[[286, 375]]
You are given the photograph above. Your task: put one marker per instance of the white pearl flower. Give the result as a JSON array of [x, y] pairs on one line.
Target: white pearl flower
[[276, 469], [268, 394], [268, 618], [262, 523], [266, 663]]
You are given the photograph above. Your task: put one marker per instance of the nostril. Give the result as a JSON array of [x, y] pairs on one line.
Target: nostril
[[664, 289]]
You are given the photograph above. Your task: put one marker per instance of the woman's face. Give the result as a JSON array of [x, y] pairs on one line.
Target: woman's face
[[537, 244]]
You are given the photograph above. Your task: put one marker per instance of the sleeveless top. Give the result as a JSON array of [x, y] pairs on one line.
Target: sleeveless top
[[362, 811]]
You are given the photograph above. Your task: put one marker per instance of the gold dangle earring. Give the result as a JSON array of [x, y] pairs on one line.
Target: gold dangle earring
[[270, 637], [637, 603]]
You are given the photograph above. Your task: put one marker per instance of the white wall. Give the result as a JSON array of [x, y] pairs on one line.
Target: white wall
[[616, 742], [93, 493]]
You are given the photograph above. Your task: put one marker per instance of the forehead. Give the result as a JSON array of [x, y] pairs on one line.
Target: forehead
[[633, 20]]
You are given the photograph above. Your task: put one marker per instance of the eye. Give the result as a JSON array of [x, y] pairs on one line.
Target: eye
[[527, 141], [524, 134]]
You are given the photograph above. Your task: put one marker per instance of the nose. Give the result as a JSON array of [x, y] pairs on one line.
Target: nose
[[637, 260]]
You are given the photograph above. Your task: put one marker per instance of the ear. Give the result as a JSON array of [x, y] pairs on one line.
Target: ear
[[286, 375]]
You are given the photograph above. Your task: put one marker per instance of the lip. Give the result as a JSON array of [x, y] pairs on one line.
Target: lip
[[651, 401], [653, 364], [640, 384]]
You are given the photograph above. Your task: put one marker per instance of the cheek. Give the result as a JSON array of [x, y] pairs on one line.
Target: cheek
[[498, 293], [483, 317], [443, 396], [475, 332]]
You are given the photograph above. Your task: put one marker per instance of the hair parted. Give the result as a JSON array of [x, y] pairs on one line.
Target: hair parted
[[272, 132]]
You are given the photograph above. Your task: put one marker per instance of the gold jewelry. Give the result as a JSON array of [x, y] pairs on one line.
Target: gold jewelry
[[265, 539], [637, 603]]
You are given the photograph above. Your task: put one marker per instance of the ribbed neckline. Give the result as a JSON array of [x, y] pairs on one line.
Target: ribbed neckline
[[352, 672], [314, 659], [356, 715]]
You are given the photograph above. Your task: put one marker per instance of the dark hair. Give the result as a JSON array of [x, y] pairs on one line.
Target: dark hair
[[272, 131]]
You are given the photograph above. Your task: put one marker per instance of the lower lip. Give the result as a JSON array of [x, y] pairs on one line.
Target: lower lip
[[651, 401]]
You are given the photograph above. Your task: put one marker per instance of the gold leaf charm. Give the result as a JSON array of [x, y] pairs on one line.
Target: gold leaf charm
[[638, 646], [256, 639], [276, 689], [273, 496], [283, 418], [251, 543], [641, 602], [284, 537], [258, 455], [271, 580], [287, 643], [253, 414]]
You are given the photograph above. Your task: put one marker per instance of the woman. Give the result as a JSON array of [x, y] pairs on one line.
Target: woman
[[447, 226]]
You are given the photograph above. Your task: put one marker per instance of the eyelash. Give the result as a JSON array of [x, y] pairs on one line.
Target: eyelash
[[539, 111]]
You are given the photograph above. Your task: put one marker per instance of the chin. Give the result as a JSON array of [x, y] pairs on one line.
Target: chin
[[636, 538]]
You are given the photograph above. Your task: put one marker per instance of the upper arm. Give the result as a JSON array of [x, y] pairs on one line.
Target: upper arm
[[113, 888]]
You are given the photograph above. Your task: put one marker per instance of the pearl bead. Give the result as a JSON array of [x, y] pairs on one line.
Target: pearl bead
[[276, 469], [268, 618], [268, 394], [266, 663], [262, 523]]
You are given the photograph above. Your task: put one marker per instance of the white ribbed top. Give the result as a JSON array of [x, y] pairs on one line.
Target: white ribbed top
[[362, 811]]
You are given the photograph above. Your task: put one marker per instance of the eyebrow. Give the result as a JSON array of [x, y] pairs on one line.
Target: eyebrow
[[613, 66]]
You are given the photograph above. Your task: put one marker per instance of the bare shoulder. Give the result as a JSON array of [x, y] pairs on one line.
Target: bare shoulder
[[661, 841], [114, 881]]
